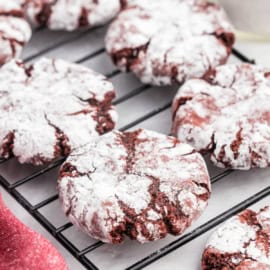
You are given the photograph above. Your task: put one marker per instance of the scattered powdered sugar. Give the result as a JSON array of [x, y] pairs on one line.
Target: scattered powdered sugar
[[51, 107], [128, 183], [242, 240], [14, 34], [228, 115], [70, 15], [165, 41]]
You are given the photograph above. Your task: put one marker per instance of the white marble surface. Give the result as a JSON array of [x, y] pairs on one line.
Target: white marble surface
[[226, 193]]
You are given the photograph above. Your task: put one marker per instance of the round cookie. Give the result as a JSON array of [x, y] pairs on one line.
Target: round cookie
[[51, 107], [139, 184], [241, 243], [21, 248], [71, 15], [14, 31], [227, 114], [164, 42]]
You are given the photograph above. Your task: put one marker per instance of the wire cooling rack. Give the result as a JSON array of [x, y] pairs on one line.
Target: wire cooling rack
[[138, 106]]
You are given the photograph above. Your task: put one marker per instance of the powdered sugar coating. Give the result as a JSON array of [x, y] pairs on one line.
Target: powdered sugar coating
[[243, 242], [228, 115], [70, 15], [21, 248], [166, 41], [11, 8], [140, 184], [51, 107], [14, 31]]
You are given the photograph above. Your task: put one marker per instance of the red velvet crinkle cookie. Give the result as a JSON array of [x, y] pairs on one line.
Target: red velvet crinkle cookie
[[139, 184], [70, 15], [241, 243], [51, 107], [21, 248], [227, 114], [15, 32], [169, 41]]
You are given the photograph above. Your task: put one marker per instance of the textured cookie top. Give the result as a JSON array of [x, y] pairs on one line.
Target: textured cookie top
[[70, 15], [241, 243], [11, 8], [227, 113], [21, 248], [51, 107], [165, 41], [141, 184], [14, 31]]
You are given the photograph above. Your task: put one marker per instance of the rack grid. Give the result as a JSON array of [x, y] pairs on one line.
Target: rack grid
[[151, 110]]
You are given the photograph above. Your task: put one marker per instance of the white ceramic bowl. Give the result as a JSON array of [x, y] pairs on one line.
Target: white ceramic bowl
[[249, 15]]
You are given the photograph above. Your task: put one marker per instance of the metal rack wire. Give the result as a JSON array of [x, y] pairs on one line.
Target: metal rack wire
[[14, 187]]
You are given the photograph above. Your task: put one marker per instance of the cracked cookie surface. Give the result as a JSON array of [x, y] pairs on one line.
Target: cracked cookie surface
[[15, 32], [71, 15], [227, 114], [51, 107], [241, 243], [139, 184], [164, 42]]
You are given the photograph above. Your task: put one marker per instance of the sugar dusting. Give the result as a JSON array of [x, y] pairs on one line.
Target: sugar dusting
[[178, 38], [229, 116], [14, 31], [68, 15], [105, 183], [50, 98], [11, 6], [243, 239]]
